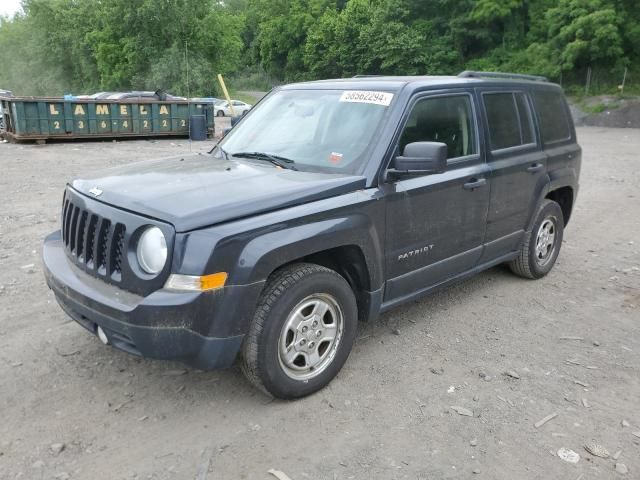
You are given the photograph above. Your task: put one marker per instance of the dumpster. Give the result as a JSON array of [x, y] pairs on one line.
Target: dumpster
[[43, 118]]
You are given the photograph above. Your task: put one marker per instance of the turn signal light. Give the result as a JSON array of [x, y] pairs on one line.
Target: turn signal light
[[196, 283]]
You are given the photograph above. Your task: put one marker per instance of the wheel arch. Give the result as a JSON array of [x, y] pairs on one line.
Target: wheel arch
[[564, 197], [560, 186], [346, 246], [349, 262]]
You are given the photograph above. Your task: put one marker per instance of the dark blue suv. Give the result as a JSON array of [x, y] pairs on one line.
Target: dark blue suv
[[330, 202]]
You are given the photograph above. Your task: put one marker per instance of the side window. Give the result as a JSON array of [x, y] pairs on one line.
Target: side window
[[552, 113], [443, 119], [526, 123], [509, 120]]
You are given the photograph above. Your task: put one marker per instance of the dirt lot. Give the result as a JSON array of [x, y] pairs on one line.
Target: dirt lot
[[572, 338]]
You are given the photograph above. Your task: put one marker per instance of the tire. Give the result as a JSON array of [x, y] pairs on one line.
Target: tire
[[220, 113], [287, 336], [535, 261]]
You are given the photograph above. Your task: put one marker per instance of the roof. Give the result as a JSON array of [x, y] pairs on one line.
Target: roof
[[394, 83]]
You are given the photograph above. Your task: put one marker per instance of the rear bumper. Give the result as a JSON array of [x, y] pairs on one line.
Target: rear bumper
[[204, 330]]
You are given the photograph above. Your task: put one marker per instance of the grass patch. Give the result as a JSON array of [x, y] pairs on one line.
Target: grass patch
[[252, 78], [243, 97], [599, 107]]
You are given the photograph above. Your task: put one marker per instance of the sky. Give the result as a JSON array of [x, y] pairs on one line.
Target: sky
[[9, 7]]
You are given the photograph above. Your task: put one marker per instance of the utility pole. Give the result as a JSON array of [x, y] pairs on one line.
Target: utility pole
[[226, 94]]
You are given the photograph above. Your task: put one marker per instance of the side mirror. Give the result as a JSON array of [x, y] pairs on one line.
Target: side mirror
[[422, 158]]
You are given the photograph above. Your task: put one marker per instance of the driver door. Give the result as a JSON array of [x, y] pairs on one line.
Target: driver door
[[435, 224]]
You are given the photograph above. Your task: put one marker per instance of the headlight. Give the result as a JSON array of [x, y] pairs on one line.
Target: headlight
[[152, 250]]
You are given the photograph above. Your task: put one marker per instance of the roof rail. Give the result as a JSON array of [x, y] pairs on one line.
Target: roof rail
[[366, 76], [518, 76]]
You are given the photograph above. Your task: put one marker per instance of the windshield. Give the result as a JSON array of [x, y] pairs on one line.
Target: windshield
[[320, 130]]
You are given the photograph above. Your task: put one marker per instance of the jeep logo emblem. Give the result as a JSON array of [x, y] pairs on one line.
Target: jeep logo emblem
[[95, 191]]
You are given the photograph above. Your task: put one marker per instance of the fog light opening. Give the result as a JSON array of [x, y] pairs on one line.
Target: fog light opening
[[102, 336]]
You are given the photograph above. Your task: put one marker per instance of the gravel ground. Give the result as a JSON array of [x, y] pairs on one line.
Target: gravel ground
[[74, 409]]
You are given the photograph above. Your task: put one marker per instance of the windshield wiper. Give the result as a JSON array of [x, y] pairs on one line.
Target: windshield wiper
[[277, 160]]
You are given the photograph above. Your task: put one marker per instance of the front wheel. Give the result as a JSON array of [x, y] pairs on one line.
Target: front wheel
[[542, 243], [302, 332]]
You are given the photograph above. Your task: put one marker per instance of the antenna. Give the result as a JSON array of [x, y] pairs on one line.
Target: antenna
[[186, 61]]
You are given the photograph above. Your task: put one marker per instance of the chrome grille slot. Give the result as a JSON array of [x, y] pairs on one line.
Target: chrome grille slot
[[118, 246], [72, 229], [104, 235], [90, 241], [80, 234]]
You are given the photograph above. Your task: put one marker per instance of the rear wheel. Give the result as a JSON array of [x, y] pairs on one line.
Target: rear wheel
[[542, 243], [302, 331]]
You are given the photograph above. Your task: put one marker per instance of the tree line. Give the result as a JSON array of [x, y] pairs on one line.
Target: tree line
[[83, 46]]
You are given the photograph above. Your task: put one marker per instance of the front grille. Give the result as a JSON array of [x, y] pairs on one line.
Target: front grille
[[92, 241], [98, 238]]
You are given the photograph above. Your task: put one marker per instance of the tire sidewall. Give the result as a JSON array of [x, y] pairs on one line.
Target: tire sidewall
[[274, 378], [551, 211]]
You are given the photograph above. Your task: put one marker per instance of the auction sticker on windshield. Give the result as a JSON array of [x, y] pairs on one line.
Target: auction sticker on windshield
[[361, 96]]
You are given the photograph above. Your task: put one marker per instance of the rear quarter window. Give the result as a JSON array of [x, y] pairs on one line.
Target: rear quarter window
[[552, 115]]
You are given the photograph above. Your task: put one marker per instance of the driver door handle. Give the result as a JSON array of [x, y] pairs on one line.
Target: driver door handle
[[535, 168], [475, 183]]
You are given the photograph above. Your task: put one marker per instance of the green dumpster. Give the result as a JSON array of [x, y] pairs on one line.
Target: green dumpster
[[42, 118]]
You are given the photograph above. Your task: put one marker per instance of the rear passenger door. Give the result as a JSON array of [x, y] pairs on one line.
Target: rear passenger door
[[518, 168]]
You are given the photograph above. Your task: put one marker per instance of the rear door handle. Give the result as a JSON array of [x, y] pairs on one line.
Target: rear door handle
[[475, 183], [535, 168]]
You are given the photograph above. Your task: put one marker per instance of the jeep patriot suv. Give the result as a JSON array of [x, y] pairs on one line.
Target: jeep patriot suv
[[330, 202]]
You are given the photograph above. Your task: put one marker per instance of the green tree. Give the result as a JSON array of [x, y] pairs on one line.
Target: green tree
[[79, 46], [583, 32]]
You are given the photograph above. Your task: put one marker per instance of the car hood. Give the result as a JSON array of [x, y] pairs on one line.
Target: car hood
[[197, 190]]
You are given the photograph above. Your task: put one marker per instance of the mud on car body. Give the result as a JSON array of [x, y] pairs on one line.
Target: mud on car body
[[330, 202]]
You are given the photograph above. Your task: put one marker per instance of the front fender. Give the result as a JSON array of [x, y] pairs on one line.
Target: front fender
[[250, 249], [274, 249]]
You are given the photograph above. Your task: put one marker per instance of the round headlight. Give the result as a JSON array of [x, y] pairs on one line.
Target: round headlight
[[152, 250]]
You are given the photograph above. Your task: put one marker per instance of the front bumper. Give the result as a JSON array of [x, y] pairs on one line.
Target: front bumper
[[203, 329]]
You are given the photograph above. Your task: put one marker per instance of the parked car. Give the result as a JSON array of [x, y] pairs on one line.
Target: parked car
[[332, 202], [3, 93], [141, 95], [212, 100], [133, 95], [222, 108]]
